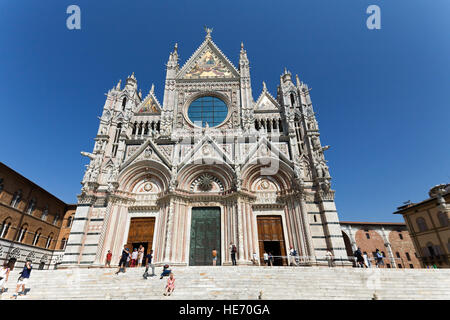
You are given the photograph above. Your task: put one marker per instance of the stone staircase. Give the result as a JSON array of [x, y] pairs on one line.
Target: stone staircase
[[238, 283]]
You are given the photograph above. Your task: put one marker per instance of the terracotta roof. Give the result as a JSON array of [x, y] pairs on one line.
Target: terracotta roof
[[374, 223]]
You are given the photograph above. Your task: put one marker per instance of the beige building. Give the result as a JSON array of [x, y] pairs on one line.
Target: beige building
[[428, 225]]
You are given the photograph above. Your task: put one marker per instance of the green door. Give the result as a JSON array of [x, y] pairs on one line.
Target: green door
[[205, 236]]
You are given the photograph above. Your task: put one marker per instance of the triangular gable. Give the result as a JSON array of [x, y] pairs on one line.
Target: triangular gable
[[208, 62], [264, 148], [155, 154], [150, 105], [266, 102], [205, 148]]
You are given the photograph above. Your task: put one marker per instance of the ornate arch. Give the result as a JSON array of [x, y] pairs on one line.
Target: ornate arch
[[251, 172], [190, 176], [145, 169]]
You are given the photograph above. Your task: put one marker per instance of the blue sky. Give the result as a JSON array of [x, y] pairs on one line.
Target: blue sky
[[381, 96]]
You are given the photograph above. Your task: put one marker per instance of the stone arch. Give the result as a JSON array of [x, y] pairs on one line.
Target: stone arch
[[134, 174], [283, 178], [348, 244], [222, 174]]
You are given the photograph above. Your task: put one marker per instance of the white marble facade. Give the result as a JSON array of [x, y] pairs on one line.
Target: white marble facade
[[152, 159]]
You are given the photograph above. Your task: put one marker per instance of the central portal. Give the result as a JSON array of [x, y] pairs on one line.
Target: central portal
[[205, 236]]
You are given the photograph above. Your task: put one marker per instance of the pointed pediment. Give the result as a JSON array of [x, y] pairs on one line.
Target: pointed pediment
[[265, 149], [208, 62], [266, 102], [206, 148], [147, 151], [150, 105]]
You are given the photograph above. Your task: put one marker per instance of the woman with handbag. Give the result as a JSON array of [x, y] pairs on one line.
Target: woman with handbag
[[4, 274]]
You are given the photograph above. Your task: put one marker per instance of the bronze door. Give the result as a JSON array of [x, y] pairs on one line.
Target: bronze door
[[205, 236], [271, 238], [141, 232]]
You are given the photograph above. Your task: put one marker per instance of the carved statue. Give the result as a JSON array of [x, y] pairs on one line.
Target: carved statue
[[88, 154]]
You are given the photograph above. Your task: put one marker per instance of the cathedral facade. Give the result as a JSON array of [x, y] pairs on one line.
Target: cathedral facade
[[206, 168]]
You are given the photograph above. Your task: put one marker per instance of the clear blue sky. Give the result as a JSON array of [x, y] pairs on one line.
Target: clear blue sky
[[381, 96]]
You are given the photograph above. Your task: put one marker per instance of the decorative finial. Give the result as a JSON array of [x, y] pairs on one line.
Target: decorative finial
[[208, 32], [152, 88], [242, 45], [175, 48], [118, 84], [264, 86], [285, 70]]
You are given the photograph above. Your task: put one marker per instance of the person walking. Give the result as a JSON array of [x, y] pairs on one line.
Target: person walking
[[359, 258], [233, 251], [23, 279], [292, 256], [214, 256], [140, 255], [367, 260], [266, 258], [134, 257], [170, 285], [123, 259], [270, 259], [149, 264], [329, 257], [255, 259], [379, 258], [4, 274], [108, 259]]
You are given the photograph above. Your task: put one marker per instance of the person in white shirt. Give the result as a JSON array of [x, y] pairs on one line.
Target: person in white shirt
[[292, 256], [4, 274], [266, 258], [255, 259], [134, 257], [329, 257]]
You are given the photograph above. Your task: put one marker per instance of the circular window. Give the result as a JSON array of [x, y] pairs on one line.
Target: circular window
[[207, 110]]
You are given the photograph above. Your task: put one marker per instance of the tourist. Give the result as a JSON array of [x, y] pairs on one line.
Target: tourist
[[266, 258], [4, 274], [140, 255], [23, 279], [134, 257], [123, 260], [214, 256], [359, 259], [166, 271], [379, 258], [329, 257], [108, 259], [366, 259], [271, 259], [255, 259], [170, 285], [293, 256], [149, 264], [233, 251]]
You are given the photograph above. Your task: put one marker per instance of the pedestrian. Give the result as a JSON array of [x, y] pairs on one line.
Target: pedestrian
[[214, 256], [23, 279], [233, 251], [292, 256], [271, 259], [140, 255], [108, 259], [367, 260], [4, 274], [255, 259], [123, 260], [166, 271], [134, 257], [149, 264], [266, 258], [170, 285], [329, 257], [359, 259], [379, 258]]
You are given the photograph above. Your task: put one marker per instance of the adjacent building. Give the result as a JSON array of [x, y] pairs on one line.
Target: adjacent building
[[31, 221], [390, 238], [428, 225]]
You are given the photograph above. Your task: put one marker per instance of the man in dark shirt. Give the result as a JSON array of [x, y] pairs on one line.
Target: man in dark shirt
[[23, 279], [123, 259], [149, 258]]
